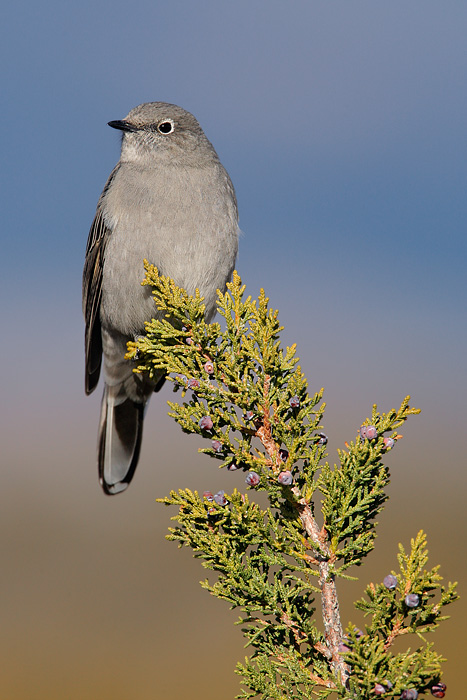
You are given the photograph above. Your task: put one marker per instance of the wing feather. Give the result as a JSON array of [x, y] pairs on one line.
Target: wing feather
[[92, 292]]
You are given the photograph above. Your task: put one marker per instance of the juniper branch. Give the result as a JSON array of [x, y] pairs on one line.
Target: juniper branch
[[249, 397]]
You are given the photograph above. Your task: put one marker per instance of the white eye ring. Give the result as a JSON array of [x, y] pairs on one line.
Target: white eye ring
[[166, 126]]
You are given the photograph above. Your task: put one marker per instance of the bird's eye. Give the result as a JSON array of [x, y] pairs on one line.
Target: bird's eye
[[166, 127]]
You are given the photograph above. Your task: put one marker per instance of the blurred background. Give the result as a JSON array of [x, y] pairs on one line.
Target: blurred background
[[342, 126]]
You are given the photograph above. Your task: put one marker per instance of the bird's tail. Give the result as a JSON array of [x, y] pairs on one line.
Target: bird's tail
[[120, 433]]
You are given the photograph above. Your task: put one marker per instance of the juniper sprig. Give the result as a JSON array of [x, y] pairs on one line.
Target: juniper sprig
[[248, 397]]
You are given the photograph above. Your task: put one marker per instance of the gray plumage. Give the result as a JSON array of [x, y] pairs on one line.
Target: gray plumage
[[168, 200]]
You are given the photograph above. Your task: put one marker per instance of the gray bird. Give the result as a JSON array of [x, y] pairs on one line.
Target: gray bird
[[168, 200]]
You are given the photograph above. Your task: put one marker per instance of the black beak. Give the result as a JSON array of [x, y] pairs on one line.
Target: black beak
[[122, 125]]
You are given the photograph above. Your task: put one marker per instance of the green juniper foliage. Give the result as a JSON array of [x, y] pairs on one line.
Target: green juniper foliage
[[248, 397]]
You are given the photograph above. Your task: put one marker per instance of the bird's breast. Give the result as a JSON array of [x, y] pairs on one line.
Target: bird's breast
[[183, 220]]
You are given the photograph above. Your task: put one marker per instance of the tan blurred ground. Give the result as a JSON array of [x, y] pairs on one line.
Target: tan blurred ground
[[96, 604]]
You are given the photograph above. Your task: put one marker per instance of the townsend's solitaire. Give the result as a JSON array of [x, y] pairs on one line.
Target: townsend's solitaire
[[168, 200]]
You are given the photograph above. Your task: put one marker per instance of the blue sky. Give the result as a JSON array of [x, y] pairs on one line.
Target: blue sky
[[342, 125]]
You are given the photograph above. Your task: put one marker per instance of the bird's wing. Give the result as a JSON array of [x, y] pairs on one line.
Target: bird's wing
[[92, 292]]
